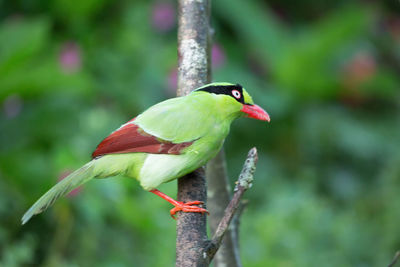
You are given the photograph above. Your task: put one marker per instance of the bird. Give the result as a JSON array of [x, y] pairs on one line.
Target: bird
[[165, 142]]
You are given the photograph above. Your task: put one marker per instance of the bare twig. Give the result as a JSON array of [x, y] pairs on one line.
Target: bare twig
[[219, 195], [193, 71], [244, 182], [395, 259]]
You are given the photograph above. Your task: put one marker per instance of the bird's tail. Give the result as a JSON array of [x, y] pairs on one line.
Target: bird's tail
[[75, 179]]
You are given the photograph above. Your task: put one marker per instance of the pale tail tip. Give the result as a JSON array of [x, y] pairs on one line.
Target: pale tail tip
[[25, 219]]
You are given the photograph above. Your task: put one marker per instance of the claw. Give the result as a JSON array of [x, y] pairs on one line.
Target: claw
[[180, 206], [187, 207]]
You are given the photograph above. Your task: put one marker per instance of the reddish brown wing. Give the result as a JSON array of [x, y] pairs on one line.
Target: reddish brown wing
[[131, 138]]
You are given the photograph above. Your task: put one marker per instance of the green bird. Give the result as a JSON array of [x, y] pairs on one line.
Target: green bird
[[165, 142]]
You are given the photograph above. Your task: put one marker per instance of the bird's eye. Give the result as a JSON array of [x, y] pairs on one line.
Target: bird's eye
[[236, 94]]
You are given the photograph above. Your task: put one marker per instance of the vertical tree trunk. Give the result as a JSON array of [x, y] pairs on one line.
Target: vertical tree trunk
[[193, 71]]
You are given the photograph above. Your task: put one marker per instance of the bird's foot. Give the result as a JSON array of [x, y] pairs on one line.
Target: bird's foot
[[181, 206], [187, 207]]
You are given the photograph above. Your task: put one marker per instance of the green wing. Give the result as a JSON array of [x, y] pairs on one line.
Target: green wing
[[180, 119]]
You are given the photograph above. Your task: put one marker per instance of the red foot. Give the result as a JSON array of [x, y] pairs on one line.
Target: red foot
[[180, 206], [187, 207]]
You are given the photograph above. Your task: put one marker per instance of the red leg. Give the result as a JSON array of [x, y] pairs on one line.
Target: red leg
[[180, 206]]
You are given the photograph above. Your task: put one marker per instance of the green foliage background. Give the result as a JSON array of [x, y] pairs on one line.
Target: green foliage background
[[327, 185]]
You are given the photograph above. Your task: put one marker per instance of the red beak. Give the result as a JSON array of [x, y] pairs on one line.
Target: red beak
[[255, 112]]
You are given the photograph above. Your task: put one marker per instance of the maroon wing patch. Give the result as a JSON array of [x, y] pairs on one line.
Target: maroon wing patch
[[131, 138]]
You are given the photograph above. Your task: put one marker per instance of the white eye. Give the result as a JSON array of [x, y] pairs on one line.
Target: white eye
[[236, 94]]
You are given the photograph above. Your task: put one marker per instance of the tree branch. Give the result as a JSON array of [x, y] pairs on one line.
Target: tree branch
[[244, 182], [219, 195], [395, 259], [193, 71]]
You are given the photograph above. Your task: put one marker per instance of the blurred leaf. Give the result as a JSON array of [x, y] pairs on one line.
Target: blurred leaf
[[20, 41], [307, 64], [256, 27]]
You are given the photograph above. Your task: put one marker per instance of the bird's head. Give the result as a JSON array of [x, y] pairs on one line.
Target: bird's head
[[237, 98]]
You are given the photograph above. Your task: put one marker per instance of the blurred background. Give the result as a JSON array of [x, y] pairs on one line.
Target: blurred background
[[326, 190]]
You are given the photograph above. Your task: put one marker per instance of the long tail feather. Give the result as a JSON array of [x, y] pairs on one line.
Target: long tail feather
[[62, 188]]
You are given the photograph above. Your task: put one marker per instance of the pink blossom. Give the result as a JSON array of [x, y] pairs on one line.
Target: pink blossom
[[360, 68], [173, 80], [163, 16], [217, 56], [70, 57], [12, 106]]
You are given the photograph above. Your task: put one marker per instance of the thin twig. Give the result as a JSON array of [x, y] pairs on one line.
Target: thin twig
[[395, 259], [219, 194], [244, 182]]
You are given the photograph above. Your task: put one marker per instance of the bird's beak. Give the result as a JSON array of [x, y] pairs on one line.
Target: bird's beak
[[255, 112]]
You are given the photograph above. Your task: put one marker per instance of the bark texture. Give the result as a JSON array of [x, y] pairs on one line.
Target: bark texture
[[193, 71]]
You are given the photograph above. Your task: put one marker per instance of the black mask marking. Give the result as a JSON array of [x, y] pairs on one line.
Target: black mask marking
[[234, 90]]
